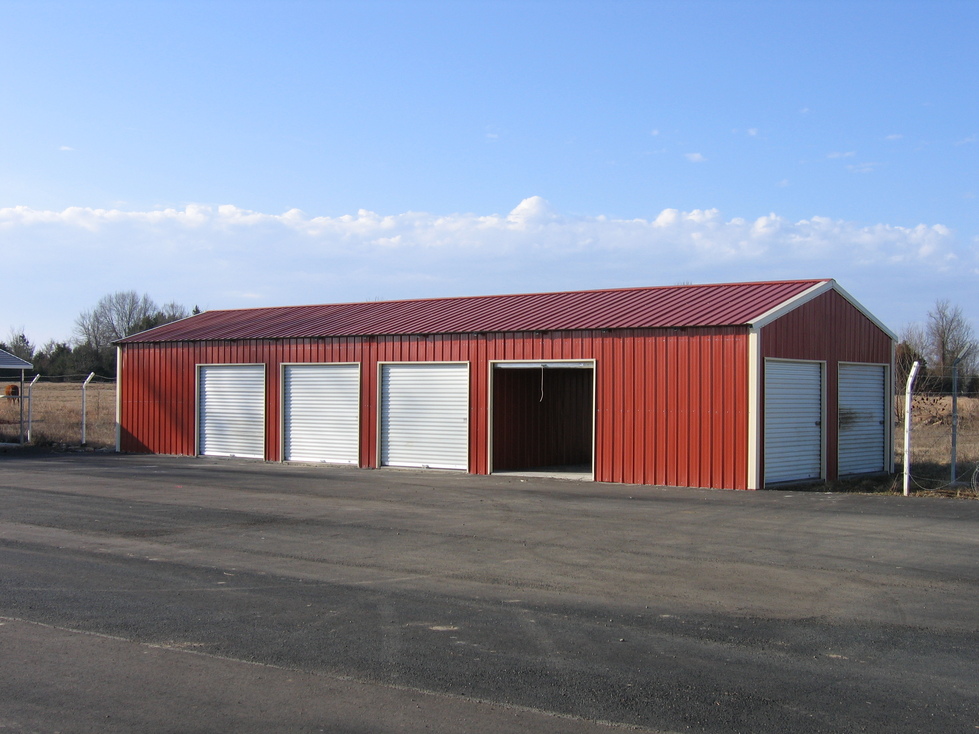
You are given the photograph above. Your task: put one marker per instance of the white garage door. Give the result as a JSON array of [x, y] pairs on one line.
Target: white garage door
[[862, 419], [793, 421], [232, 410], [425, 415], [321, 412]]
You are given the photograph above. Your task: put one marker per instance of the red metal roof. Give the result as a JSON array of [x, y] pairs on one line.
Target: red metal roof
[[727, 304]]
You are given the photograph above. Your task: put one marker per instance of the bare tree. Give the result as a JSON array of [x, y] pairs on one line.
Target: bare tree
[[912, 347], [19, 345], [949, 334], [116, 315], [172, 311], [915, 340]]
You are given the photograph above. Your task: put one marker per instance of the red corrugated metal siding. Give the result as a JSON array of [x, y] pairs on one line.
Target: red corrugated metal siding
[[828, 328], [670, 407]]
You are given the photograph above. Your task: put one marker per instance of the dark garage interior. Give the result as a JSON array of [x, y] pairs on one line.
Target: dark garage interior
[[542, 417]]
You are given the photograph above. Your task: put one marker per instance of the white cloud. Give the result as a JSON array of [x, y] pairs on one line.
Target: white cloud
[[868, 167], [968, 140], [65, 148], [895, 136], [695, 157], [530, 211], [226, 256], [752, 132], [837, 154]]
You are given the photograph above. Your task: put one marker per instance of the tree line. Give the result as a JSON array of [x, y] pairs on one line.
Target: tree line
[[90, 348]]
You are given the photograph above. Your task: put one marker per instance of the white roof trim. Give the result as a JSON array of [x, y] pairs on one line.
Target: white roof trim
[[791, 304], [817, 290]]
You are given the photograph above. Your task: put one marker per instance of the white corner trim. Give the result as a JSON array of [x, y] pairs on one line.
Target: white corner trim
[[754, 409], [118, 399]]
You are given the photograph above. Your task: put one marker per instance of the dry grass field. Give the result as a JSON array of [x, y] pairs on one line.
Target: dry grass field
[[57, 415], [58, 424], [931, 445]]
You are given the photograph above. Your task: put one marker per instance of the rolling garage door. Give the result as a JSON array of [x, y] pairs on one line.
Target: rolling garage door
[[321, 413], [231, 415], [425, 415], [793, 421], [862, 422]]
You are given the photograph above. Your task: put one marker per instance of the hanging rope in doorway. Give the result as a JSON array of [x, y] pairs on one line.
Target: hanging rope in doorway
[[541, 384]]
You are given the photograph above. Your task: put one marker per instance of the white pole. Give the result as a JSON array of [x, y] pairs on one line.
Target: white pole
[[20, 400], [30, 406], [907, 426], [84, 385]]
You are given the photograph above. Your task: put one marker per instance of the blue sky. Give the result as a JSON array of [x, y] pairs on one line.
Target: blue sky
[[234, 154]]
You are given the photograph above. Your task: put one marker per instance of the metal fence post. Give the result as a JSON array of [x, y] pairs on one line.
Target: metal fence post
[[84, 415], [955, 406], [907, 426], [30, 407]]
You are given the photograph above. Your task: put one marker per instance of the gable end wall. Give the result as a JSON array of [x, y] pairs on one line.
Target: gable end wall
[[830, 329]]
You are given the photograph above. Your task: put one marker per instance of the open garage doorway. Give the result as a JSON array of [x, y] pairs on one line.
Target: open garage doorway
[[543, 418]]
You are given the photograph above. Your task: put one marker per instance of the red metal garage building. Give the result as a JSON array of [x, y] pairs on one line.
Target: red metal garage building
[[735, 386]]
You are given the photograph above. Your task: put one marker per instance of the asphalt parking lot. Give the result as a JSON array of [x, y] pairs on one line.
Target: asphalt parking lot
[[163, 594]]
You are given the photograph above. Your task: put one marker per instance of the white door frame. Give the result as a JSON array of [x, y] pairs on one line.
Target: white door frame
[[822, 413], [197, 400], [888, 412], [282, 400], [379, 437], [530, 364]]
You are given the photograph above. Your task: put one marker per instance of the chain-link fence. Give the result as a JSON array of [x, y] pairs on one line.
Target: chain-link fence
[[53, 412], [931, 438]]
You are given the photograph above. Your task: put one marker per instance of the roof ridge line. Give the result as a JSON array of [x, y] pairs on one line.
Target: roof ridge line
[[487, 296]]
